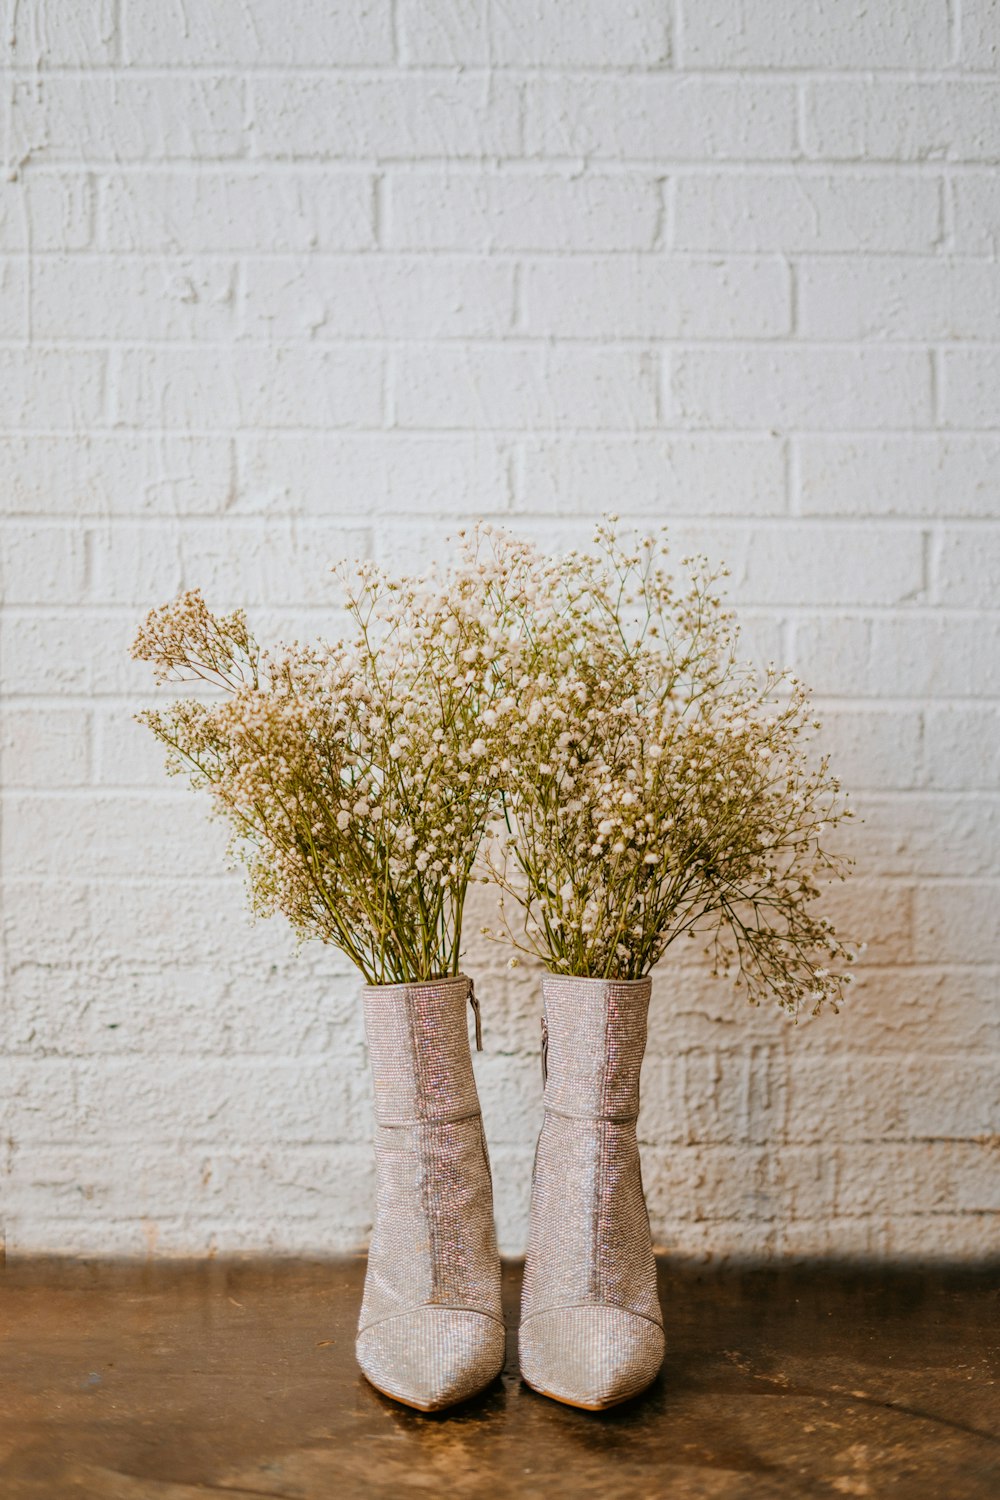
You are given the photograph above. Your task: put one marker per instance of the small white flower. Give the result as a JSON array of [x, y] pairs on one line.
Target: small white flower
[[343, 820]]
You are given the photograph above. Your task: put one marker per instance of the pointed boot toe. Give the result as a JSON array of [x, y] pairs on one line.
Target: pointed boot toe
[[592, 1357], [432, 1357]]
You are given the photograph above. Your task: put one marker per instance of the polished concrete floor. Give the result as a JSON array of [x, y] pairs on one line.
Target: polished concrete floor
[[180, 1381]]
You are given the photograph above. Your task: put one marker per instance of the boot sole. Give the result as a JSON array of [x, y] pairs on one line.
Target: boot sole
[[582, 1405], [415, 1405]]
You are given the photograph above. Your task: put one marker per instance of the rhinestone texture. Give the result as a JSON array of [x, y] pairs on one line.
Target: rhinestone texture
[[431, 1330], [591, 1325]]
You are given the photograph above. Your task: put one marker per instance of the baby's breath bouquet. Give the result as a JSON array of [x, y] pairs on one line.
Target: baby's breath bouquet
[[358, 777], [652, 786]]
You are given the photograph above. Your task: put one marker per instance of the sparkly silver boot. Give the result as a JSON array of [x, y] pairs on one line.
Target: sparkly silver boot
[[591, 1326], [431, 1330]]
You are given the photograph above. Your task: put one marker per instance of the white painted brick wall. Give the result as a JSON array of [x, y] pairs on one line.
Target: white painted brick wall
[[284, 281]]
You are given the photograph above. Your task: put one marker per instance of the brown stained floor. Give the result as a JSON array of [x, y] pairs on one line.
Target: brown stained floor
[[180, 1381]]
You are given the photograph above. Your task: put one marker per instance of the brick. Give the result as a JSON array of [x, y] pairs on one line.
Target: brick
[[897, 299], [13, 300], [59, 940], [125, 753], [382, 474], [264, 209], [812, 34], [114, 835], [321, 33], [980, 37], [915, 836], [89, 1009], [76, 652], [917, 1239], [394, 297], [915, 475], [787, 387], [937, 657], [38, 1234], [41, 565], [663, 117], [864, 910], [290, 565], [944, 1177], [807, 211], [157, 1099], [826, 565], [120, 473], [957, 923], [44, 747], [46, 211], [430, 211], [393, 116], [892, 1099], [661, 477], [784, 563], [37, 1100], [534, 32], [161, 1182], [59, 36], [872, 749], [41, 388], [967, 568], [516, 387], [707, 1097], [410, 546], [890, 119], [962, 748], [714, 1184], [898, 1008], [655, 297], [976, 213], [122, 118], [194, 924], [82, 1010], [277, 387], [970, 395], [137, 300]]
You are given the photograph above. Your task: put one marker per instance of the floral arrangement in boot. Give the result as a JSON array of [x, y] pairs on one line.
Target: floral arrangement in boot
[[358, 779], [652, 787], [655, 787]]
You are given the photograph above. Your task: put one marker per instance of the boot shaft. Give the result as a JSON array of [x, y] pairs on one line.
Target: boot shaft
[[418, 1048], [434, 1241], [589, 1239], [594, 1037]]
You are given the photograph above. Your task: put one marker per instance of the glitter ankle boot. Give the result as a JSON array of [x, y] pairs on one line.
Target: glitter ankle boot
[[591, 1326], [431, 1331]]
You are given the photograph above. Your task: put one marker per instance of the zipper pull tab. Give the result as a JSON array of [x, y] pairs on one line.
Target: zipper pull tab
[[475, 1011], [545, 1052]]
